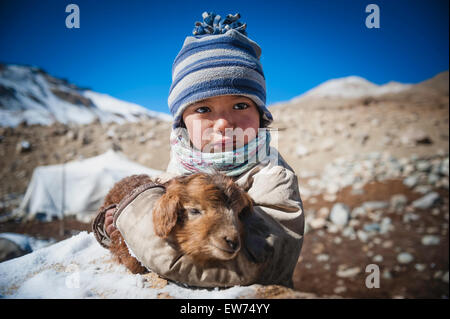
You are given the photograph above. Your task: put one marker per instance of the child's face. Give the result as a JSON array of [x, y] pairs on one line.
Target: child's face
[[221, 123]]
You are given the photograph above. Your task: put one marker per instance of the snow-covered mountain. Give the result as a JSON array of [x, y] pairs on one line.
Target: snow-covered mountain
[[353, 87], [29, 94]]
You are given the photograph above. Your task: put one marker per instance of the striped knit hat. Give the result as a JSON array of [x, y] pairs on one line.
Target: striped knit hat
[[219, 59]]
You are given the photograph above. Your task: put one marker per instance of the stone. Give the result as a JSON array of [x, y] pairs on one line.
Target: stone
[[323, 212], [423, 166], [405, 258], [398, 201], [437, 274], [357, 189], [340, 214], [358, 211], [372, 227], [444, 167], [332, 188], [340, 127], [322, 258], [420, 267], [340, 289], [387, 244], [429, 240], [330, 197], [375, 122], [332, 228], [71, 135], [114, 145], [301, 150], [354, 223], [427, 201], [318, 248], [23, 147], [111, 133], [432, 179], [349, 232], [378, 258], [414, 137], [10, 250], [445, 277], [422, 189], [408, 169], [86, 139], [387, 274], [348, 272], [386, 225], [432, 230], [375, 205], [362, 235], [327, 145], [407, 217], [362, 138], [411, 181], [317, 223], [444, 183]]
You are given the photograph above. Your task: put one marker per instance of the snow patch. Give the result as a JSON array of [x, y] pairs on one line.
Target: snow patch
[[79, 267]]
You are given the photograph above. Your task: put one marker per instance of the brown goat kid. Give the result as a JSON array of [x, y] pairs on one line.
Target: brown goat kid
[[200, 213]]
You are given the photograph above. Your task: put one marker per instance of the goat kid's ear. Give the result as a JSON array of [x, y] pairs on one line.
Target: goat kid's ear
[[248, 209], [165, 214]]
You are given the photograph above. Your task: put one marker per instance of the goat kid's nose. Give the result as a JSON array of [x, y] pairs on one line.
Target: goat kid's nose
[[233, 243]]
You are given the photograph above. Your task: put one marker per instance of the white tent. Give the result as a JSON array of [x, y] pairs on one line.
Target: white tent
[[76, 188]]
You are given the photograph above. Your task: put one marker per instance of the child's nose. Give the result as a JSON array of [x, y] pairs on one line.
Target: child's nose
[[223, 123]]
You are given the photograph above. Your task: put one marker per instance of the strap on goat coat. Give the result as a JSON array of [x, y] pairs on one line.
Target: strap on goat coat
[[278, 220]]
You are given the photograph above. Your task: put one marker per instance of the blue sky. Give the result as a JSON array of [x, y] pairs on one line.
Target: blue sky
[[126, 48]]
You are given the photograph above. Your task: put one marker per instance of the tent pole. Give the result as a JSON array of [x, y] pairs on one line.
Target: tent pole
[[61, 223]]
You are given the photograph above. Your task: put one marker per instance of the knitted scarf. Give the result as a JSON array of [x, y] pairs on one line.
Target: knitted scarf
[[231, 163]]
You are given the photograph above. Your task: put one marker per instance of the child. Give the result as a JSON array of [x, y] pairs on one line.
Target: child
[[217, 98]]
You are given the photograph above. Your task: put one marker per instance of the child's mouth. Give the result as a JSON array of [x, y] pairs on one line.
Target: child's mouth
[[225, 141], [226, 144]]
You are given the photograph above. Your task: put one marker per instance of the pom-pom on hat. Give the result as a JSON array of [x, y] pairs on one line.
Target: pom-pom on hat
[[218, 59]]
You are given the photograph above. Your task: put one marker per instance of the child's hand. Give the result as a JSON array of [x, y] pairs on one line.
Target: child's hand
[[109, 225]]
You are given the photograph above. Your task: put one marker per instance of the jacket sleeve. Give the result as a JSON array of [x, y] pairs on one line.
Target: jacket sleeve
[[275, 189], [275, 235]]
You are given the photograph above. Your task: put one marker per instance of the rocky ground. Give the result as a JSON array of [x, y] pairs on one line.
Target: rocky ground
[[373, 175]]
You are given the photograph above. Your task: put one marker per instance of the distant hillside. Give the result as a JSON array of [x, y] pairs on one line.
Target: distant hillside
[[31, 95], [357, 88], [353, 87]]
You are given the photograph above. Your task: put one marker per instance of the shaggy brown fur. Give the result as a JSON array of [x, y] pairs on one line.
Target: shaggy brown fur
[[201, 213]]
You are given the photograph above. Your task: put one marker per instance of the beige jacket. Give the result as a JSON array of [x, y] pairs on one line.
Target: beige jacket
[[274, 241]]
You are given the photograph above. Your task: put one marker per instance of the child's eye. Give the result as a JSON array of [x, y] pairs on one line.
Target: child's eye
[[240, 106], [202, 109]]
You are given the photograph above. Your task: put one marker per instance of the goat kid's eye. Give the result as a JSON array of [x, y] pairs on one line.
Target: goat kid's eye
[[194, 211]]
